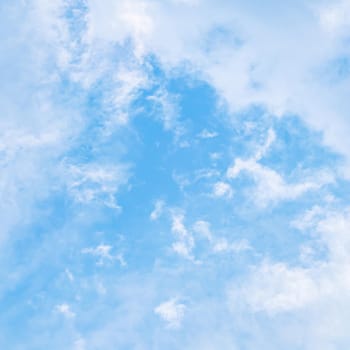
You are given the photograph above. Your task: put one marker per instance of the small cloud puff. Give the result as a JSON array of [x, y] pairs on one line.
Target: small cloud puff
[[171, 312], [103, 252], [203, 228], [158, 210], [206, 134], [222, 189], [79, 344], [223, 246], [65, 310]]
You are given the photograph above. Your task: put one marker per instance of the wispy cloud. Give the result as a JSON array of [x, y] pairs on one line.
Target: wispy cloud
[[172, 312]]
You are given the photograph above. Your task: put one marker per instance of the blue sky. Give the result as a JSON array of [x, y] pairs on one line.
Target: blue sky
[[174, 174]]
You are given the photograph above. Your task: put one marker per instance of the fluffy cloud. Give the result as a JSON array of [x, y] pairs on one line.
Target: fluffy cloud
[[276, 287], [172, 312]]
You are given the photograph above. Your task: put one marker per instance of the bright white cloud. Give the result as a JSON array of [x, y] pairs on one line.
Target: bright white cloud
[[172, 312]]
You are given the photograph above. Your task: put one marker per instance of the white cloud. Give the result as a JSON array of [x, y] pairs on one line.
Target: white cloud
[[69, 275], [206, 134], [215, 156], [218, 244], [12, 141], [127, 84], [270, 185], [203, 228], [103, 252], [172, 312], [65, 310], [334, 228], [168, 111], [35, 128], [277, 287], [222, 189], [184, 243], [335, 16], [250, 64], [158, 210], [263, 149], [309, 219], [96, 183], [222, 245], [274, 64]]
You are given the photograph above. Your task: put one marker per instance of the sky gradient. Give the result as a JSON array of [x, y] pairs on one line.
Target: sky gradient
[[174, 175]]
